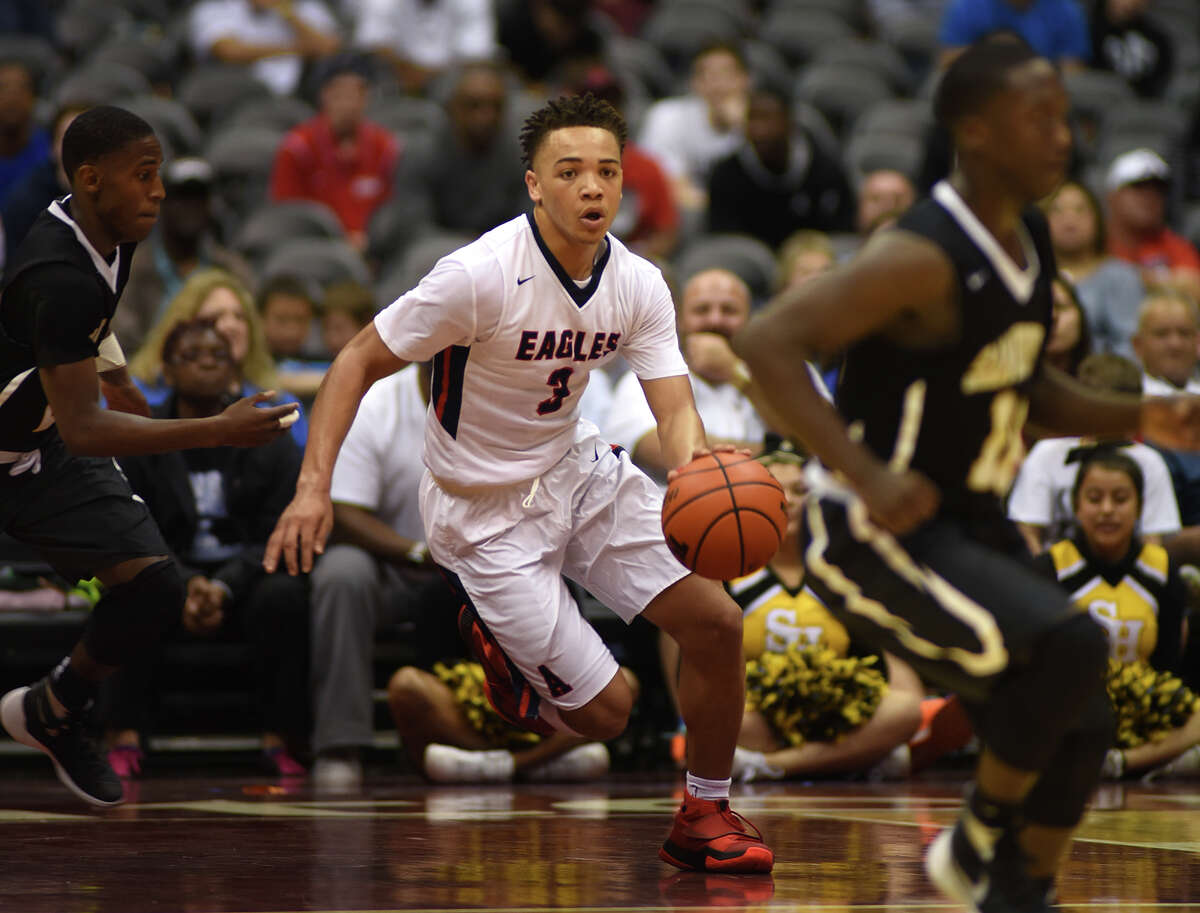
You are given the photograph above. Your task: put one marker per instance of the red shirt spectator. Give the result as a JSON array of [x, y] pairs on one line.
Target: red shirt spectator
[[339, 158], [656, 216]]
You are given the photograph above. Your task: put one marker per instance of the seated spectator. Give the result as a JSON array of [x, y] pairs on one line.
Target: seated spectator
[[688, 134], [1165, 343], [1070, 340], [275, 37], [805, 254], [714, 307], [543, 36], [419, 39], [779, 181], [375, 572], [883, 196], [1109, 289], [183, 242], [1056, 29], [339, 158], [23, 143], [1137, 185], [289, 314], [472, 177], [213, 294], [45, 182], [1129, 43], [346, 308], [1133, 590], [1040, 501], [216, 507]]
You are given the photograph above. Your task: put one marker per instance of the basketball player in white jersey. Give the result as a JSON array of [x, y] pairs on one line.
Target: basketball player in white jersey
[[519, 491]]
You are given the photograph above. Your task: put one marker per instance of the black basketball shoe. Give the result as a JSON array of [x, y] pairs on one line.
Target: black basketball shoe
[[80, 764]]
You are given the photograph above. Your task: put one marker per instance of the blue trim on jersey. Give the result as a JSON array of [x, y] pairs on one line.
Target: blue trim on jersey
[[580, 296], [449, 367]]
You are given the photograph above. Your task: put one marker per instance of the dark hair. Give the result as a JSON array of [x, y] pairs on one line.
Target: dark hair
[[285, 284], [184, 328], [1108, 456], [97, 132], [352, 297], [1110, 372], [723, 47], [1083, 345], [570, 111], [976, 75], [1100, 242]]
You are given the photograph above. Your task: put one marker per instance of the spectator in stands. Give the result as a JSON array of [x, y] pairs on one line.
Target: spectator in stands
[[688, 134], [347, 307], [805, 254], [543, 36], [289, 316], [44, 183], [182, 243], [216, 507], [339, 158], [1056, 29], [376, 573], [1109, 289], [1040, 502], [715, 306], [420, 39], [779, 181], [23, 144], [648, 220], [1137, 184], [275, 37], [883, 195], [471, 177], [1070, 340], [1126, 41], [214, 294]]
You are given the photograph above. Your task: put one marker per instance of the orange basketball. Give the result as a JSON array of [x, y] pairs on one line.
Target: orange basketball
[[724, 515]]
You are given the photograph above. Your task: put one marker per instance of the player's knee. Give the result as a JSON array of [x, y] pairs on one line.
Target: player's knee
[[606, 715], [714, 629], [132, 617], [1078, 648]]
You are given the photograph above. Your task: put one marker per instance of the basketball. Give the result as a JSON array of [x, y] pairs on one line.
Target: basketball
[[724, 515]]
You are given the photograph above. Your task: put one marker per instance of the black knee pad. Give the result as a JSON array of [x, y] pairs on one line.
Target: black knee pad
[[1061, 794], [133, 616], [1038, 701]]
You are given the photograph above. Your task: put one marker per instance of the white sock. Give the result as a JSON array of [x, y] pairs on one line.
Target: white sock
[[707, 789]]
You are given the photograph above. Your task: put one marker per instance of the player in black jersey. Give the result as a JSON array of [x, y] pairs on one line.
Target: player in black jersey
[[942, 322], [60, 490]]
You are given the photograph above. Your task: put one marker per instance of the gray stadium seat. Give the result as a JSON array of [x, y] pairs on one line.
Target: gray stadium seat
[[1191, 223], [870, 56], [767, 65], [269, 227], [1094, 92], [396, 224], [1147, 116], [151, 54], [83, 24], [414, 263], [211, 90], [907, 117], [319, 260], [874, 151], [170, 120], [404, 114], [682, 31], [748, 257], [280, 112], [841, 93], [104, 83], [800, 34], [632, 57], [242, 158], [852, 12]]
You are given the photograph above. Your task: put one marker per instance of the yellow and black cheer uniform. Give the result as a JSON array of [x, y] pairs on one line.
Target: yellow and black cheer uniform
[[1139, 601], [803, 672]]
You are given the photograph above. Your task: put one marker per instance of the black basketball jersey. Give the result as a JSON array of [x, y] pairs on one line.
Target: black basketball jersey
[[955, 412], [56, 305]]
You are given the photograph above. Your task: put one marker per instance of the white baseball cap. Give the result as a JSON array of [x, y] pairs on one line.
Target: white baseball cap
[[1135, 167]]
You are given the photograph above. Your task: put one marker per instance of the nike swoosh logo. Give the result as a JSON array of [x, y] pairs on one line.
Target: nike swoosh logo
[[595, 452], [523, 281]]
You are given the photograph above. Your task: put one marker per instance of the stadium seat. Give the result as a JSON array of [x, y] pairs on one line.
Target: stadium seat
[[269, 227], [1191, 223], [319, 260], [151, 54], [84, 24], [799, 34], [874, 151], [418, 259], [103, 83], [841, 93], [817, 126], [1145, 116], [767, 65], [37, 54], [1095, 92], [210, 90], [869, 56], [906, 117], [396, 224], [278, 112], [170, 120], [748, 257], [680, 32], [242, 158], [638, 59]]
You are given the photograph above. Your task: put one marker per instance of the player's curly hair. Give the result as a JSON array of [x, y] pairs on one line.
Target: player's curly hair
[[977, 74], [584, 110], [97, 132]]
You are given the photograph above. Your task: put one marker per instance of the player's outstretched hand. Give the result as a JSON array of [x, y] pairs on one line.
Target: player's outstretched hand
[[1172, 421], [300, 533], [246, 424], [900, 501]]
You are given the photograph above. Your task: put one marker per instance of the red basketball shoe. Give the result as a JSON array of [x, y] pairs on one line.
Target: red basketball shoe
[[708, 836]]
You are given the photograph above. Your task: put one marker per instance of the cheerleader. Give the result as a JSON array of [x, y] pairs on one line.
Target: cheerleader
[[1132, 589]]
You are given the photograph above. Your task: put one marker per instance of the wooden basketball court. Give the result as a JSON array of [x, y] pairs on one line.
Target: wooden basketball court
[[252, 845]]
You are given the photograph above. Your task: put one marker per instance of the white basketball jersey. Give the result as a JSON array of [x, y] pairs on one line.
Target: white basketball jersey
[[513, 339]]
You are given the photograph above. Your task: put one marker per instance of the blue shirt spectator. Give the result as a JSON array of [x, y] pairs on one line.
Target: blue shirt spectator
[[1056, 29]]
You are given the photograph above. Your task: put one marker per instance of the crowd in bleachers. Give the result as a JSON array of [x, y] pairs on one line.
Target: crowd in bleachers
[[321, 155]]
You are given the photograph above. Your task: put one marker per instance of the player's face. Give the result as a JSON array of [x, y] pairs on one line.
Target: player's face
[[1027, 139], [1107, 510], [128, 190], [713, 302], [1072, 221], [224, 309], [201, 366], [791, 477], [576, 179], [1166, 341]]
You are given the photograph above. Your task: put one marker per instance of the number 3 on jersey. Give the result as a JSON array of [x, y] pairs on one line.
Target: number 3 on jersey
[[558, 390]]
